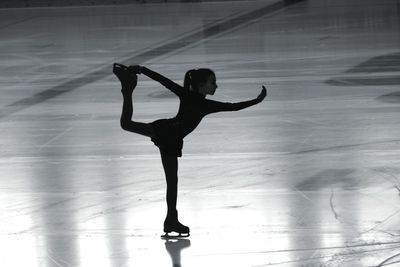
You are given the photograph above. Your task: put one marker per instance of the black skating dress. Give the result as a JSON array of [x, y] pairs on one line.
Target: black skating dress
[[192, 109]]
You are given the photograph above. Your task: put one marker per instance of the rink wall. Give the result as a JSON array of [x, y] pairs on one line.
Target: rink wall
[[61, 3]]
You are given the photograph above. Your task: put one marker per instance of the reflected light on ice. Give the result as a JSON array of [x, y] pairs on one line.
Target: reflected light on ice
[[232, 234], [93, 247], [19, 250], [16, 247], [93, 250]]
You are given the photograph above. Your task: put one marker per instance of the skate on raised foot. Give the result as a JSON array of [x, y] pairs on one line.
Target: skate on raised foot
[[133, 69], [127, 78], [119, 65]]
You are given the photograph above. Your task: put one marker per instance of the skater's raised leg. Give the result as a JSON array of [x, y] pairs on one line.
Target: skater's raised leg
[[171, 223], [128, 83]]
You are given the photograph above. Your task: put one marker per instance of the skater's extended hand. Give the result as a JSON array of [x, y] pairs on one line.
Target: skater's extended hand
[[263, 94], [137, 69]]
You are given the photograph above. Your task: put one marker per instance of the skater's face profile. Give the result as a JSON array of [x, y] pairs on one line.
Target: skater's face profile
[[210, 86]]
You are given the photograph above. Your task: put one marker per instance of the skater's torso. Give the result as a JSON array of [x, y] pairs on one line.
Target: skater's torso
[[192, 109], [193, 106]]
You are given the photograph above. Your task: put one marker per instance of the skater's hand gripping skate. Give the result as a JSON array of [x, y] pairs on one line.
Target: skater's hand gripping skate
[[137, 69], [263, 94], [128, 80]]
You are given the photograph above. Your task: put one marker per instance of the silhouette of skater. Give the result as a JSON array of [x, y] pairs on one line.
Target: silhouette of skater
[[168, 134]]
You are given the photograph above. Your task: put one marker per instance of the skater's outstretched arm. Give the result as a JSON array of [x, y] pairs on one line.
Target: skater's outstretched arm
[[174, 87], [216, 106]]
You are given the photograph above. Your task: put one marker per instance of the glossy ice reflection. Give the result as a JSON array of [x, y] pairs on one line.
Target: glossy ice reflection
[[310, 178]]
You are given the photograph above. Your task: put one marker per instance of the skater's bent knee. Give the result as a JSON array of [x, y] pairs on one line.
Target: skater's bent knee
[[128, 126], [124, 125]]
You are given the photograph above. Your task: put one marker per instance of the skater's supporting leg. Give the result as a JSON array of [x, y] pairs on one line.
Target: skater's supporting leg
[[170, 164], [171, 223]]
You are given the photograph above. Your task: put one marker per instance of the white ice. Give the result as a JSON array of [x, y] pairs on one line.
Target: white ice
[[310, 177]]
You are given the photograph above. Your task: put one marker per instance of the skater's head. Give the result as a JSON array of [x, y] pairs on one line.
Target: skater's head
[[202, 81]]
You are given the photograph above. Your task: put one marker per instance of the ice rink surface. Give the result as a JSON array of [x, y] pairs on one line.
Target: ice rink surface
[[309, 177]]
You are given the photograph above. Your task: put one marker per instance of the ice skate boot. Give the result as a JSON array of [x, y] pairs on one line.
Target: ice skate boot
[[173, 228], [127, 78]]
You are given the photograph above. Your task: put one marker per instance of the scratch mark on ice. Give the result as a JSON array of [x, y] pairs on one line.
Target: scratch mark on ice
[[332, 206], [388, 259]]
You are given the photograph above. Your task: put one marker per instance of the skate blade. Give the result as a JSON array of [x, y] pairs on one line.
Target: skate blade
[[169, 236], [119, 65]]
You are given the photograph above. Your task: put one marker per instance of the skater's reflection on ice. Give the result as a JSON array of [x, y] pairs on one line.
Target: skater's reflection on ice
[[174, 248]]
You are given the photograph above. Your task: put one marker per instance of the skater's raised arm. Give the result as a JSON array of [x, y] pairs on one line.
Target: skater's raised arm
[[172, 86], [216, 106]]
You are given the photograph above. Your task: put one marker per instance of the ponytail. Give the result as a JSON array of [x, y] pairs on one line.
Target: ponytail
[[187, 83]]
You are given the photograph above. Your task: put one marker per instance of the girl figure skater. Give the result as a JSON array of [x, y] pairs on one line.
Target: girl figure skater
[[168, 134]]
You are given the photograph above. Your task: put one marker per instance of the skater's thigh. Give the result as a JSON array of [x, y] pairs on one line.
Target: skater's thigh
[[145, 129]]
